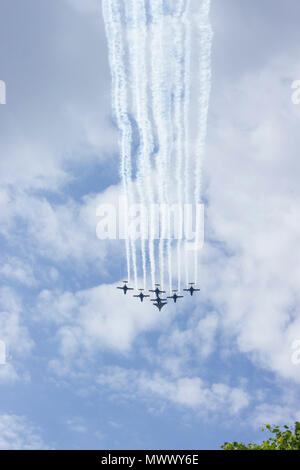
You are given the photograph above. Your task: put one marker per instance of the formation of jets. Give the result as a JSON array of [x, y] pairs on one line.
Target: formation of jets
[[159, 302]]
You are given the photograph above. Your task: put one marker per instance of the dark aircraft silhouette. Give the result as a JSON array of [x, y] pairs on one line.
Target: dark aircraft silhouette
[[141, 296], [125, 288], [191, 289], [175, 296], [157, 291], [159, 301], [160, 305]]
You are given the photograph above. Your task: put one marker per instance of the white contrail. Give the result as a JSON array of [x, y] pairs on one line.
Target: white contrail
[[136, 12], [159, 92], [186, 138], [133, 33], [112, 19], [205, 40], [180, 90], [113, 54]]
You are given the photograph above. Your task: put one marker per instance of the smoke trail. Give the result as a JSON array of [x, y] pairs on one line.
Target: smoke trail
[[134, 31], [186, 138], [112, 19], [206, 35], [161, 98], [157, 67], [187, 96], [136, 16], [180, 90]]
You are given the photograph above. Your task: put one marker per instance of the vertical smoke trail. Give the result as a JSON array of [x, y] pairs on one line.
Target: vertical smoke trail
[[112, 47], [180, 89], [187, 95], [161, 63], [169, 247], [168, 167], [112, 19], [206, 35], [133, 33], [159, 112], [136, 14]]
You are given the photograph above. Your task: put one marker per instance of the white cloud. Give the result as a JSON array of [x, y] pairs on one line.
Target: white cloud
[[77, 424], [14, 334], [16, 433], [198, 336], [97, 319], [8, 374], [252, 274], [89, 6], [12, 330], [190, 392], [58, 232], [61, 232], [63, 111], [18, 270], [276, 414]]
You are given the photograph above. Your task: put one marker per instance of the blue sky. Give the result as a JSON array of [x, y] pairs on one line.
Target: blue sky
[[87, 368]]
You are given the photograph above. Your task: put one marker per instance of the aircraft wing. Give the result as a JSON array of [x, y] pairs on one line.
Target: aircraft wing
[[162, 305]]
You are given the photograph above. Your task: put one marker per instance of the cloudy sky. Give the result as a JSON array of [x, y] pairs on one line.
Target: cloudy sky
[[86, 368]]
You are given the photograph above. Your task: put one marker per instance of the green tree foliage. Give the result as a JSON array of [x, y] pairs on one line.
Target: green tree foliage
[[285, 439]]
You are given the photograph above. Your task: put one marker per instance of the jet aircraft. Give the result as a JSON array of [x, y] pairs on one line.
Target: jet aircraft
[[141, 296], [157, 291], [175, 296], [125, 288], [159, 300], [191, 289], [160, 305]]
